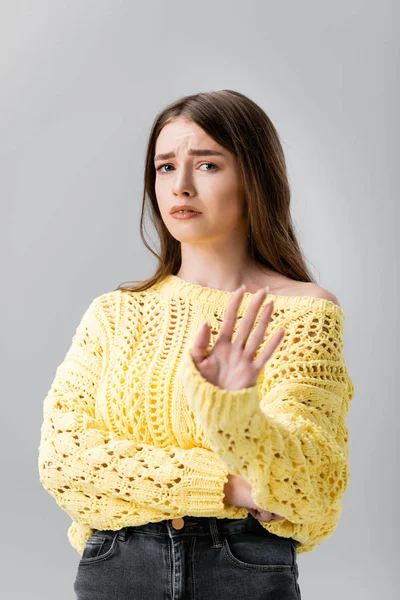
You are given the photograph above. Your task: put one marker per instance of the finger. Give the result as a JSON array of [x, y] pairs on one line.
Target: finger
[[230, 317], [258, 336], [269, 350], [261, 514], [201, 343], [249, 318]]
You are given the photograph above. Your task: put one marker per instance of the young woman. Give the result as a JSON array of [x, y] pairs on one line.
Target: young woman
[[196, 430]]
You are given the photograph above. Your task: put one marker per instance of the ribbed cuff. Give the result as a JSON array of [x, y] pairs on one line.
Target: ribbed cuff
[[236, 411], [203, 482]]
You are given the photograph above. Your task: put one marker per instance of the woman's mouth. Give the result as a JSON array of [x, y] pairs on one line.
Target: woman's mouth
[[185, 214]]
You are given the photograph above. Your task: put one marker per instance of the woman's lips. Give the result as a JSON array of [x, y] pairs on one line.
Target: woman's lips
[[185, 215]]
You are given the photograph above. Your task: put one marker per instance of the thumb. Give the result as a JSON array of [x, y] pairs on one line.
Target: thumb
[[201, 344]]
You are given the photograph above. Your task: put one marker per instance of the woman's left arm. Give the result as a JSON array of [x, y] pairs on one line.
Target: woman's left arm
[[285, 432]]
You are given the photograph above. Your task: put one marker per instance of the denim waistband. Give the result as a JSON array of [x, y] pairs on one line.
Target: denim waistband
[[200, 526]]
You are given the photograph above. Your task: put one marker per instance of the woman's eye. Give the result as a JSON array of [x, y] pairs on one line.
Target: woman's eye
[[167, 165], [161, 166], [212, 164]]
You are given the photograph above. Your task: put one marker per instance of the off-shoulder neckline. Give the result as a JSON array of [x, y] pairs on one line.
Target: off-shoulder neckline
[[172, 286]]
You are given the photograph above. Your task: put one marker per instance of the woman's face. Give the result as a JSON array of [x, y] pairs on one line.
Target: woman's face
[[209, 183]]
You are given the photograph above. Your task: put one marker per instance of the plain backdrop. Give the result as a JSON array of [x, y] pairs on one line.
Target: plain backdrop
[[81, 82]]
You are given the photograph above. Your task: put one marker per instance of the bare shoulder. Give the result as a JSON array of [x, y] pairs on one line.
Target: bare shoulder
[[314, 290], [284, 286]]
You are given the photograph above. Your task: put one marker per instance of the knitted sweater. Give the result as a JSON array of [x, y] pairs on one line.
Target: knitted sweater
[[132, 433]]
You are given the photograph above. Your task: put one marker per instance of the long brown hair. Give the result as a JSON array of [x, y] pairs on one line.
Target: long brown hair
[[240, 125]]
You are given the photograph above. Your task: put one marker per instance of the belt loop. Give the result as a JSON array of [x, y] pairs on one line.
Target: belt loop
[[214, 532], [122, 534]]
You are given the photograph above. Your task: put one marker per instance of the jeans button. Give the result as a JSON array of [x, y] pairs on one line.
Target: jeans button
[[178, 523]]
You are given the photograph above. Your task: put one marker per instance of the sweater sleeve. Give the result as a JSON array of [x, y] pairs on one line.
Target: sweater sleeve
[[101, 478], [286, 435]]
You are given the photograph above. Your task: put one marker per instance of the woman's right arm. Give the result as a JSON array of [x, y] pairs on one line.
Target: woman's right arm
[[100, 478]]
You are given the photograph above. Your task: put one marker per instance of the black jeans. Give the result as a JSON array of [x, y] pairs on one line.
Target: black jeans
[[207, 558]]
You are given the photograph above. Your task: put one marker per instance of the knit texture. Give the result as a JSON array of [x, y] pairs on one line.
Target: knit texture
[[132, 433]]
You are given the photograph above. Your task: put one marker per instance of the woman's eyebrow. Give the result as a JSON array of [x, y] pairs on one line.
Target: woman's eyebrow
[[192, 151]]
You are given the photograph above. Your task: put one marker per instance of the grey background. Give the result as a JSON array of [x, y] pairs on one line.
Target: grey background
[[81, 83]]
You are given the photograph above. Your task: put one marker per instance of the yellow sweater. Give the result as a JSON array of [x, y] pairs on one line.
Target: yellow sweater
[[132, 433]]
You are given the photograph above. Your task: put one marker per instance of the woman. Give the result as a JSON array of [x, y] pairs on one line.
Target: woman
[[196, 430]]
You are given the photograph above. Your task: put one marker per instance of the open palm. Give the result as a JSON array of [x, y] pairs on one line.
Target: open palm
[[230, 365]]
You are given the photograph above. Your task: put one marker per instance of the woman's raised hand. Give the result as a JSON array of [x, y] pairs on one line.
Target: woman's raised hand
[[230, 365]]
